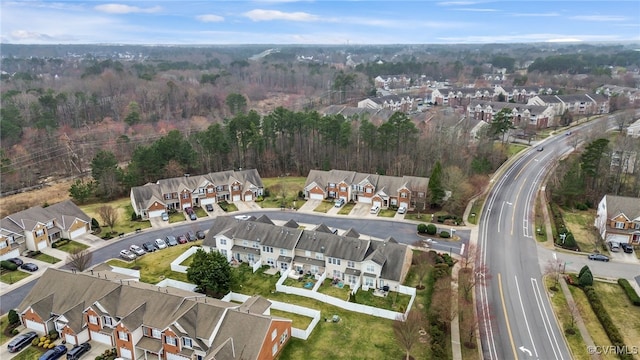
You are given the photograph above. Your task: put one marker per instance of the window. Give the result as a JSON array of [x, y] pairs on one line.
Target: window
[[351, 264], [219, 188], [210, 190], [122, 335], [368, 281], [343, 188], [185, 195], [334, 261], [371, 268], [223, 241], [3, 245], [307, 253], [93, 319], [268, 249], [170, 340], [283, 252], [223, 252], [107, 321], [236, 188], [49, 225], [156, 333], [403, 195], [420, 194], [187, 342], [274, 334], [619, 225], [284, 336], [368, 190], [274, 350], [39, 232], [319, 256], [332, 185], [245, 243]]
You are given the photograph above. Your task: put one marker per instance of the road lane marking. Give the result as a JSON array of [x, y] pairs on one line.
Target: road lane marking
[[524, 314], [513, 215], [548, 327], [506, 317]]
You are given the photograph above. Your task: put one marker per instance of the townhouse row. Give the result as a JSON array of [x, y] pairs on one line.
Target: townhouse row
[[357, 262]]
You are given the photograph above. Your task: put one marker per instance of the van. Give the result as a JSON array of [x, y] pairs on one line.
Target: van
[[614, 246], [374, 209], [77, 351]]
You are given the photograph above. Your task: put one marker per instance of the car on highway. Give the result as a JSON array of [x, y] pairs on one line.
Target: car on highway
[[599, 257], [16, 261], [160, 244], [171, 240], [29, 267], [182, 239], [20, 341], [137, 250], [149, 246], [209, 207], [165, 216], [626, 247], [78, 350], [127, 255], [54, 353]]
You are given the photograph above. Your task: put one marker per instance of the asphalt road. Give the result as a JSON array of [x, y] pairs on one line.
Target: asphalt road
[[516, 319], [403, 232]]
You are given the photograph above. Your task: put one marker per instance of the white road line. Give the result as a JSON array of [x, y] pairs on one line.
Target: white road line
[[524, 314], [500, 215], [546, 320]]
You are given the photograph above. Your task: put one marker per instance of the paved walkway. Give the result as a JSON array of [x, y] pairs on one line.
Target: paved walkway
[[456, 346], [579, 322]]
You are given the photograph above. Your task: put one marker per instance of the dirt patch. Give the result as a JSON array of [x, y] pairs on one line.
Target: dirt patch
[[51, 193]]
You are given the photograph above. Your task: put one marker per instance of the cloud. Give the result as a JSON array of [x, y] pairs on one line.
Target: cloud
[[456, 3], [209, 18], [268, 15], [476, 9], [126, 9], [611, 18], [549, 14], [22, 35]]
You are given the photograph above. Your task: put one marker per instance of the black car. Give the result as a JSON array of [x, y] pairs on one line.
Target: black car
[[149, 246], [191, 236], [626, 247], [209, 207], [29, 267], [599, 257], [16, 261], [20, 341], [200, 234], [77, 351], [54, 353]]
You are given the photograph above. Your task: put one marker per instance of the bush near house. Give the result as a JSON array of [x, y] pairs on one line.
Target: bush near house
[[432, 229], [630, 291], [8, 265]]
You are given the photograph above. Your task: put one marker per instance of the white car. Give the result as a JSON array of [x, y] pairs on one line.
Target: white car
[[160, 243], [127, 255], [374, 209], [165, 216], [402, 210], [137, 250]]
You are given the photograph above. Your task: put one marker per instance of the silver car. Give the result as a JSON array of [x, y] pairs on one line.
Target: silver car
[[127, 255]]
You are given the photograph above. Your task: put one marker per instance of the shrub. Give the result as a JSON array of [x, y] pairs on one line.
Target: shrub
[[134, 216], [582, 207], [300, 194], [15, 332], [94, 224], [267, 193], [586, 279], [605, 320], [432, 229], [259, 199], [8, 265], [444, 234], [630, 291], [422, 228], [51, 346], [13, 317], [583, 270], [35, 342]]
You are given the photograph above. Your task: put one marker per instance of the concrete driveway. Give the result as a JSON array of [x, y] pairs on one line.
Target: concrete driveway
[[362, 210], [624, 257], [310, 205]]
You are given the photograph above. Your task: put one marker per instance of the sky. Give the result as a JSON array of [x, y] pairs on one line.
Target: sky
[[222, 22]]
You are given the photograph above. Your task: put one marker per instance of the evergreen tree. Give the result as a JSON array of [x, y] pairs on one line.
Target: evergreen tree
[[436, 191]]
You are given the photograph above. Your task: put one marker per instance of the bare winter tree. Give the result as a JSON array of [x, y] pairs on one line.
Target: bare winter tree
[[573, 312], [109, 216], [423, 261], [80, 259], [407, 329], [553, 269], [468, 327], [442, 301], [471, 277], [469, 256]]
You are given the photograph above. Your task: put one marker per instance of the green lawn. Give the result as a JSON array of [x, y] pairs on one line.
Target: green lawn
[[283, 190], [324, 206], [346, 208], [393, 301], [334, 291], [515, 148], [299, 321], [187, 261], [200, 212], [46, 258], [624, 314], [71, 246], [176, 217], [591, 321], [3, 324], [29, 353], [124, 209], [561, 309], [387, 213], [541, 232], [12, 277], [580, 223], [474, 214]]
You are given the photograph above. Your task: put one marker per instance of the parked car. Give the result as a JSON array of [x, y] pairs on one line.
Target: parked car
[[127, 255], [78, 350], [614, 246], [20, 341], [165, 216], [16, 261], [191, 236], [182, 239], [149, 246], [137, 250], [599, 257], [626, 247], [160, 244], [209, 207], [188, 210], [193, 216], [402, 210], [200, 234], [29, 267], [54, 353], [171, 240], [339, 203], [374, 209]]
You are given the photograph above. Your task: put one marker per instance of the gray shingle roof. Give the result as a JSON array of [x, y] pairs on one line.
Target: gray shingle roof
[[629, 206]]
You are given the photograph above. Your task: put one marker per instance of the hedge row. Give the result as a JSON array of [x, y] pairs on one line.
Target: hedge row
[[631, 292], [8, 265], [603, 316]]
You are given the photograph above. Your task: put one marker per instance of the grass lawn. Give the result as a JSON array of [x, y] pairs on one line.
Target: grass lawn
[[465, 308], [591, 321], [346, 209], [299, 321], [298, 283], [124, 209], [283, 190], [580, 223], [156, 266], [3, 324], [71, 246], [12, 277], [231, 207], [176, 217], [334, 291], [187, 261], [29, 353], [624, 314], [387, 213], [474, 214], [393, 301], [200, 212], [515, 148], [541, 235], [46, 258], [561, 309], [324, 206]]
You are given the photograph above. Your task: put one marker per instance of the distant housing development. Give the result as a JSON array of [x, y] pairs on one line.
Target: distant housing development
[[151, 200]]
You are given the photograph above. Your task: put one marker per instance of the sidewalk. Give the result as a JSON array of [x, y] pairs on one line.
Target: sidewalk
[[456, 346], [579, 322]]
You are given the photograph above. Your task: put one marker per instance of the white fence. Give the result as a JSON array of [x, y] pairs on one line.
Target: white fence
[[175, 264], [277, 305], [257, 265], [177, 284], [345, 304], [124, 271]]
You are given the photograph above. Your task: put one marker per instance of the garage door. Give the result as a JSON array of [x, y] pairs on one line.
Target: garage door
[[248, 197], [42, 245], [125, 353], [171, 356], [377, 203], [313, 196], [404, 204], [83, 337], [35, 326], [70, 339], [79, 232], [101, 338], [364, 199], [618, 238], [236, 198], [155, 213]]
